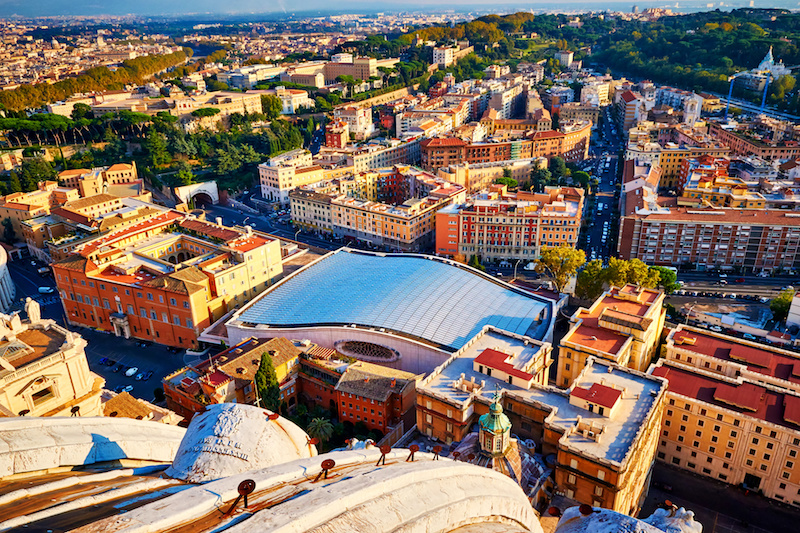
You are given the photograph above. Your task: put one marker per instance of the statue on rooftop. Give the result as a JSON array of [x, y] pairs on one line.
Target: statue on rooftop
[[33, 310]]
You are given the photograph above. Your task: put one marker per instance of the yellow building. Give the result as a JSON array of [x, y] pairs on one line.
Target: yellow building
[[733, 412], [672, 156], [43, 369], [720, 191], [623, 325], [393, 207]]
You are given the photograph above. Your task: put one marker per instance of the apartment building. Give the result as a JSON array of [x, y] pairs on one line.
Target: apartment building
[[571, 143], [752, 239], [292, 100], [742, 141], [630, 109], [478, 176], [444, 56], [732, 411], [22, 206], [538, 120], [165, 279], [383, 153], [285, 172], [575, 111], [603, 430], [406, 222], [497, 225], [689, 103], [623, 325], [556, 96], [57, 235], [229, 376], [564, 57], [337, 134], [101, 180]]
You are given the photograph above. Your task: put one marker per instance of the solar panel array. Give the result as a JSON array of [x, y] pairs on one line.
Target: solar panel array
[[425, 298]]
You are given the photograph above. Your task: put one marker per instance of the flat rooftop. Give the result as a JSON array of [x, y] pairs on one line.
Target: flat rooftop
[[432, 300], [31, 345], [620, 432]]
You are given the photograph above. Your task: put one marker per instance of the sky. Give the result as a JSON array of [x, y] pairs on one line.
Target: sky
[[36, 8]]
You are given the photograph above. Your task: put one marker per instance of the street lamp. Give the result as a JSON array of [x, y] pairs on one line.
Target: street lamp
[[515, 268], [296, 233], [688, 313]]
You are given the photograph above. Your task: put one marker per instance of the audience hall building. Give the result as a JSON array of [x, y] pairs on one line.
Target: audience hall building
[[411, 313]]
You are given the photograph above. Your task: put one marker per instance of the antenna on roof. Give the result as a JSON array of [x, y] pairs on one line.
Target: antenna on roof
[[413, 449]]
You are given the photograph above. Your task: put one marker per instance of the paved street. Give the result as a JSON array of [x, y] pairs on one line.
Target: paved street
[[721, 508]]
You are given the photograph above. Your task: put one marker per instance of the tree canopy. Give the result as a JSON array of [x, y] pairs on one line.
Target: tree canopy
[[560, 264], [267, 386], [780, 304]]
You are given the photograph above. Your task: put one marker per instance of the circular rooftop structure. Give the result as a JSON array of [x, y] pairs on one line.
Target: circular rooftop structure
[[228, 439], [430, 300]]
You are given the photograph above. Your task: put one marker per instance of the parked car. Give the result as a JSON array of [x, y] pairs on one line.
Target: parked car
[[148, 375], [749, 337], [139, 376], [739, 280], [763, 300], [110, 362], [131, 371], [118, 368], [715, 328], [46, 290], [103, 361]]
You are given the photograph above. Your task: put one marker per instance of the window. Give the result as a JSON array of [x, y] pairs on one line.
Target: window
[[150, 296], [770, 445], [573, 463], [41, 396], [173, 301], [153, 314], [131, 311], [676, 461], [601, 474], [598, 491], [189, 323], [164, 318], [571, 479], [733, 434]]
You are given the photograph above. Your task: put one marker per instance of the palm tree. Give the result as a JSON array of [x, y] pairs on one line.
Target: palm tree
[[320, 429]]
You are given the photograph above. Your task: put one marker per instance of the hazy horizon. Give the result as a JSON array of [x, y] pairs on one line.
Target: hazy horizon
[[254, 8]]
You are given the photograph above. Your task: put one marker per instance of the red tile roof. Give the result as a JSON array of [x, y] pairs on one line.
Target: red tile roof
[[757, 402], [628, 96], [598, 394], [441, 142], [208, 229], [497, 360], [762, 360]]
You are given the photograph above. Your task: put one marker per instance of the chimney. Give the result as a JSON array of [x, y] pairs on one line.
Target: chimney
[[394, 382]]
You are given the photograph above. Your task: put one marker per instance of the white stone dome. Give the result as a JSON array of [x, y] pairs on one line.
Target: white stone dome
[[229, 439]]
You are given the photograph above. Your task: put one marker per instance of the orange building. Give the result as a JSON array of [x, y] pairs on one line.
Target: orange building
[[165, 279]]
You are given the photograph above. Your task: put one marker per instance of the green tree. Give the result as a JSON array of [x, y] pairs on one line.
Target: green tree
[[34, 170], [668, 280], [184, 176], [558, 168], [156, 148], [560, 264], [620, 272], [474, 262], [320, 429], [267, 386], [509, 182], [591, 280], [9, 236], [81, 110], [205, 112], [271, 106], [13, 183], [779, 305]]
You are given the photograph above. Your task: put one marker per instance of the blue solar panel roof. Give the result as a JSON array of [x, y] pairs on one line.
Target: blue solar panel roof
[[429, 299]]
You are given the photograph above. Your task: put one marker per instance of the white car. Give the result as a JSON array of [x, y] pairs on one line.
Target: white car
[[46, 290], [131, 371], [715, 328]]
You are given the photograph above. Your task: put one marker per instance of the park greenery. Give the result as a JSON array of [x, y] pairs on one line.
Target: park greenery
[[132, 71]]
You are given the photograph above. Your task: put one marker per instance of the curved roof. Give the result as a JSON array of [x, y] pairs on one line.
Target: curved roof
[[420, 296]]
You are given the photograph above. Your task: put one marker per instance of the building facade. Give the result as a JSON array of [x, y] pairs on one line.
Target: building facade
[[498, 225]]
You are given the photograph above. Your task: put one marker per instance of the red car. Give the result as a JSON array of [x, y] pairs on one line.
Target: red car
[[739, 280]]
